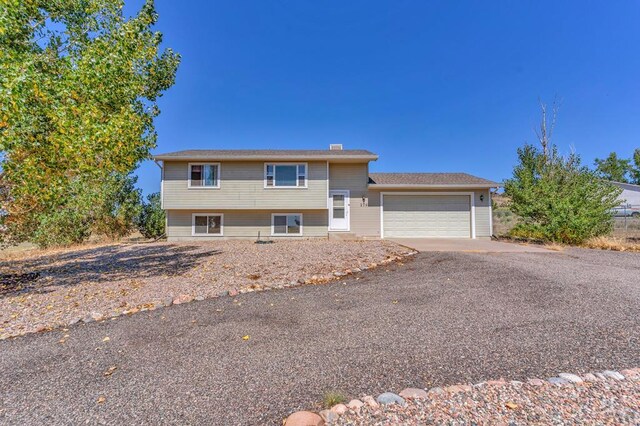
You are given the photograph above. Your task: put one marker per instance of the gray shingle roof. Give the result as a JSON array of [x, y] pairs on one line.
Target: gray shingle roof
[[429, 179], [259, 154]]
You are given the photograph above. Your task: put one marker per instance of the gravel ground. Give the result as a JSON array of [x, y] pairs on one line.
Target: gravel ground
[[441, 319], [601, 402], [109, 280]]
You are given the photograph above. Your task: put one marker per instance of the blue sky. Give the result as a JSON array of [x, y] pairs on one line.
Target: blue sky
[[430, 86]]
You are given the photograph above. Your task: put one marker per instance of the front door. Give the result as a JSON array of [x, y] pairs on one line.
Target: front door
[[339, 210]]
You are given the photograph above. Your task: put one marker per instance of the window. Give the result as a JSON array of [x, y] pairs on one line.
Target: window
[[285, 175], [206, 224], [286, 224], [204, 175]]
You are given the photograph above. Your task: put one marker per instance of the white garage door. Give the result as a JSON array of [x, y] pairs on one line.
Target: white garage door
[[415, 216]]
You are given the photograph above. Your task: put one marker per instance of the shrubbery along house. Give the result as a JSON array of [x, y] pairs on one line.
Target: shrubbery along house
[[220, 194]]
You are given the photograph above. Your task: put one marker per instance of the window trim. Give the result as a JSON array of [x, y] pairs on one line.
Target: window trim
[[193, 224], [295, 163], [217, 182], [286, 234]]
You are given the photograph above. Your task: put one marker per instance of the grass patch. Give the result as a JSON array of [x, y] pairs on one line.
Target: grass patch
[[331, 398], [612, 243]]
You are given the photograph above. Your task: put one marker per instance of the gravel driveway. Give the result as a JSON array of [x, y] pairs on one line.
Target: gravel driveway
[[440, 319]]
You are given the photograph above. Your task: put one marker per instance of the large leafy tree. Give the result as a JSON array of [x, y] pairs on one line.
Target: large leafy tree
[[635, 169], [558, 199], [613, 168], [78, 94]]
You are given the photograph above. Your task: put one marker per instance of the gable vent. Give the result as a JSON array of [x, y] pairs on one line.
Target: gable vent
[[335, 147]]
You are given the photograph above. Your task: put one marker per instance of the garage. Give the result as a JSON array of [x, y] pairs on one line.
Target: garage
[[420, 215]]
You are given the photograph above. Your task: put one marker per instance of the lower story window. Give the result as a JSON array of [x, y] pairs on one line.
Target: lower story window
[[207, 224], [286, 224]]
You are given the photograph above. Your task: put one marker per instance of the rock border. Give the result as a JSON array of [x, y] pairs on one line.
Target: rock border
[[180, 299], [331, 415]]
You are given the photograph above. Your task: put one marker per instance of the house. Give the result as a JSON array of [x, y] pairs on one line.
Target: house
[[213, 194], [630, 195]]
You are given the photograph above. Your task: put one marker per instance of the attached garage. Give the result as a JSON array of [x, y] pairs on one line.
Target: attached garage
[[428, 215]]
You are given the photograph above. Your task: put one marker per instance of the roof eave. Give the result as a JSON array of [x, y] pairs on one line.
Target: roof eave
[[439, 186], [331, 159]]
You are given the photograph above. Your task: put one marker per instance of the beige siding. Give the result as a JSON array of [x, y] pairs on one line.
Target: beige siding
[[243, 224], [369, 225], [364, 220], [483, 214], [242, 187]]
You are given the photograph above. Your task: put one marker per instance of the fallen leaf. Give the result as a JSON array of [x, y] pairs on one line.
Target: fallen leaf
[[394, 301], [246, 337], [106, 339], [110, 371], [101, 399], [511, 405]]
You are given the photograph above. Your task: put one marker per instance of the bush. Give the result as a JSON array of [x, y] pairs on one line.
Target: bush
[[557, 199], [331, 398], [151, 221]]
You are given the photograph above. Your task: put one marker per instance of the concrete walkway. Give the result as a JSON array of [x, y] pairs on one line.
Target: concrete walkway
[[468, 245]]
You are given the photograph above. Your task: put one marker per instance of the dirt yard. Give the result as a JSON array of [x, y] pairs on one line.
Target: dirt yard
[[43, 291]]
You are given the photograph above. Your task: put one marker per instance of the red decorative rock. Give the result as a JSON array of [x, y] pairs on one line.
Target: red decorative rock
[[304, 418], [183, 298], [413, 393]]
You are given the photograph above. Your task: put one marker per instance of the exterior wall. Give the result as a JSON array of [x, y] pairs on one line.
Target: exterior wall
[[630, 197], [244, 224], [369, 225], [242, 187], [355, 178]]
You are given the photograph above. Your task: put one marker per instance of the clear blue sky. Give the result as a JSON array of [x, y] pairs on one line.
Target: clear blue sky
[[428, 85]]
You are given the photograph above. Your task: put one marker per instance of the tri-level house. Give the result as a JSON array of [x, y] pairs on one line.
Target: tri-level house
[[219, 194]]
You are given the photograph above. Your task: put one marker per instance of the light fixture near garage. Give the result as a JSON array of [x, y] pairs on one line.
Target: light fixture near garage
[[481, 197]]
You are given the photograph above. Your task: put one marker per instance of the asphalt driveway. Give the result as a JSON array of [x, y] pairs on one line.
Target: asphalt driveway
[[440, 319]]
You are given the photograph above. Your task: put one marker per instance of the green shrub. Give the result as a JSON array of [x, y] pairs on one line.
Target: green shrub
[[557, 199], [151, 221], [331, 398]]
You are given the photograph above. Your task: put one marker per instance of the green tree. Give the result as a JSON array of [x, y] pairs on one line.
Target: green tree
[[635, 169], [558, 199], [151, 221], [78, 94], [613, 168]]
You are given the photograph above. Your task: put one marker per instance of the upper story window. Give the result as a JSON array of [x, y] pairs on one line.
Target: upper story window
[[285, 175], [204, 175]]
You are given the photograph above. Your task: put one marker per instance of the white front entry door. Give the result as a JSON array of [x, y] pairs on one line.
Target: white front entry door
[[339, 210]]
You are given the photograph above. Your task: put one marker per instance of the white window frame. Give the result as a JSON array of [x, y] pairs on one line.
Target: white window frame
[[193, 224], [217, 183], [306, 175], [274, 234]]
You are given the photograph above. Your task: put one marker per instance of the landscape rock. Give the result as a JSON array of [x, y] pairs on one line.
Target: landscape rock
[[370, 402], [437, 390], [589, 377], [558, 381], [355, 404], [535, 382], [328, 416], [167, 301], [414, 393], [339, 409], [304, 418], [629, 373], [199, 298], [390, 398], [613, 374], [183, 298], [571, 377]]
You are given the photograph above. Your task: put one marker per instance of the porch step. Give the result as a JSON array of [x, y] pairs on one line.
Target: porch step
[[343, 236]]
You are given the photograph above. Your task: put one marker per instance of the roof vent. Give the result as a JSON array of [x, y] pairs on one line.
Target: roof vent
[[335, 147]]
